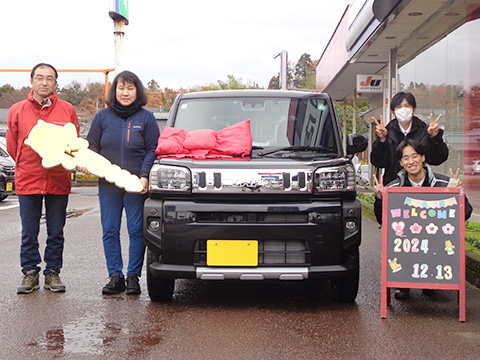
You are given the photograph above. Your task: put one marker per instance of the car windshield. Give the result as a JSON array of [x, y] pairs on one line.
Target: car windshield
[[274, 122]]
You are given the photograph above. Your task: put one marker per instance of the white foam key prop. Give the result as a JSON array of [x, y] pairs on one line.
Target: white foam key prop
[[59, 145]]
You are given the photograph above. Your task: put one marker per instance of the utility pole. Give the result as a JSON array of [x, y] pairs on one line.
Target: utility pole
[[283, 69], [119, 14]]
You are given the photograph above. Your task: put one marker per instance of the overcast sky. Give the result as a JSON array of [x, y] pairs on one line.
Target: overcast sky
[[177, 43]]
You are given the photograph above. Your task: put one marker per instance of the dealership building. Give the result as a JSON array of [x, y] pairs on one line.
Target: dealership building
[[426, 47]]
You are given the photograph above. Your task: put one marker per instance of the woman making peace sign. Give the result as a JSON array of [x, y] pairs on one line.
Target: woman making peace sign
[[406, 126]]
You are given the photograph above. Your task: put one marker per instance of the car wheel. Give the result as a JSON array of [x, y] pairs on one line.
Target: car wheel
[[3, 197], [159, 290], [346, 290]]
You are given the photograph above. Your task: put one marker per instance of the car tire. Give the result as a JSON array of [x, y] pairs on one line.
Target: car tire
[[346, 289], [159, 290], [3, 197]]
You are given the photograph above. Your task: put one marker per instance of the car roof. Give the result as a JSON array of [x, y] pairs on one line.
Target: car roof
[[253, 93]]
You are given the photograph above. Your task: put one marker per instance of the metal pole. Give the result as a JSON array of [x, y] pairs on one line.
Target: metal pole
[[344, 140], [284, 69], [371, 132], [283, 78], [119, 32], [392, 84], [355, 112], [106, 87]]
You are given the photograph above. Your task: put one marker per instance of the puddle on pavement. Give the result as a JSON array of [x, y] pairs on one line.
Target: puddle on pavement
[[83, 337], [77, 212], [71, 213], [89, 336]]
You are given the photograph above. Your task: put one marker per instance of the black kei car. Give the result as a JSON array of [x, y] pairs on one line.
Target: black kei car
[[287, 213]]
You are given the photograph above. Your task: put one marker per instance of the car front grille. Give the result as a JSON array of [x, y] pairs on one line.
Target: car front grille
[[270, 253], [250, 217], [9, 170]]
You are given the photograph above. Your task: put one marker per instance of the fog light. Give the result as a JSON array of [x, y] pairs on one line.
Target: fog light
[[351, 225], [154, 225]]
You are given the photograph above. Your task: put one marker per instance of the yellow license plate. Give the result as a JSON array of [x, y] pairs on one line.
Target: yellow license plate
[[9, 186], [232, 252]]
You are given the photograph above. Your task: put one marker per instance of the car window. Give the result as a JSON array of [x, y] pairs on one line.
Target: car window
[[273, 121], [3, 153]]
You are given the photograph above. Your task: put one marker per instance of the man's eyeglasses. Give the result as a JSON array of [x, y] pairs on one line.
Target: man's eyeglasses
[[40, 78], [414, 157]]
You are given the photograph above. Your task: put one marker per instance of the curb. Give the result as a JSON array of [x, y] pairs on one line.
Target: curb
[[472, 267], [472, 260], [81, 183]]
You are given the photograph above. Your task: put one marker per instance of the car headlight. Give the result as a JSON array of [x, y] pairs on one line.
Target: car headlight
[[335, 178], [170, 178]]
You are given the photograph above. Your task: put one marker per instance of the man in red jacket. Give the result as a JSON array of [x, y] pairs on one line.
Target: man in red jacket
[[35, 184]]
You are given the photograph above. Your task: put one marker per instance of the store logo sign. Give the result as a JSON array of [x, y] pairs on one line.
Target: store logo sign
[[369, 83]]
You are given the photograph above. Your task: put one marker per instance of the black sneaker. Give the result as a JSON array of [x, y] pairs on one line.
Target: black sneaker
[[402, 294], [133, 285], [115, 285]]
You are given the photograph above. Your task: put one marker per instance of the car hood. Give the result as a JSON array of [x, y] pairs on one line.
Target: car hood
[[6, 162]]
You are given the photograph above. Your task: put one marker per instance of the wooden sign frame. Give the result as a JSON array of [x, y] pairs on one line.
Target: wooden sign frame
[[416, 200]]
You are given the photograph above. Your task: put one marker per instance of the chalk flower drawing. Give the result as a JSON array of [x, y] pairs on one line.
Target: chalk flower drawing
[[416, 228], [448, 229], [431, 228]]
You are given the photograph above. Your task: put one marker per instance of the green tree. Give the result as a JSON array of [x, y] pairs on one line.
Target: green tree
[[362, 125], [73, 93], [274, 82], [153, 86], [168, 99], [231, 83], [11, 97], [303, 71], [154, 94], [300, 75], [92, 101], [6, 89]]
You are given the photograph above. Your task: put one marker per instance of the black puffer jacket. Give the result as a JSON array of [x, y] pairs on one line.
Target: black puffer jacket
[[432, 180], [383, 154]]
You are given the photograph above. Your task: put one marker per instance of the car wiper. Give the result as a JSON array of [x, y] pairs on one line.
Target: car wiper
[[254, 147], [297, 148]]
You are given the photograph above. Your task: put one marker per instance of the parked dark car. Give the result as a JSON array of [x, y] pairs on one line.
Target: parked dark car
[[288, 212], [7, 173]]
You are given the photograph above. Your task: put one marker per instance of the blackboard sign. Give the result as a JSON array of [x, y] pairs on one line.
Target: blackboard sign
[[423, 240]]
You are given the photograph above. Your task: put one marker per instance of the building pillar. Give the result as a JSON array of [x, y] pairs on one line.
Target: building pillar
[[345, 124], [355, 112], [392, 85]]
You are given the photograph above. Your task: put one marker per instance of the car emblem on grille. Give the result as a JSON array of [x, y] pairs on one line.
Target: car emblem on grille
[[252, 186]]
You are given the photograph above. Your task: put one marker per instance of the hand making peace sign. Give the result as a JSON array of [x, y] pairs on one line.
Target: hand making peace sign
[[378, 187], [456, 178], [380, 129], [434, 128]]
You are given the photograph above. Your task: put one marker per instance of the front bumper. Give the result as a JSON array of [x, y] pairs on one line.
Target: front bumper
[[7, 184], [167, 271], [318, 226]]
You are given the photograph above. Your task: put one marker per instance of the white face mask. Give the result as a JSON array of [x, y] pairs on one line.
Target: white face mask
[[404, 114]]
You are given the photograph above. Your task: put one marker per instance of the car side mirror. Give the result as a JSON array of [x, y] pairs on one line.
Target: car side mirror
[[356, 144]]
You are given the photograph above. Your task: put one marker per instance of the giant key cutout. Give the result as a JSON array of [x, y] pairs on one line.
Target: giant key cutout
[[59, 145]]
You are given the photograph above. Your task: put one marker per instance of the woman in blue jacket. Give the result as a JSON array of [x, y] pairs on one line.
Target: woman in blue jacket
[[127, 135]]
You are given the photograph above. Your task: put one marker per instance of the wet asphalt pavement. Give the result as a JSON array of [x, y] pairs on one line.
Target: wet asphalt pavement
[[216, 320]]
